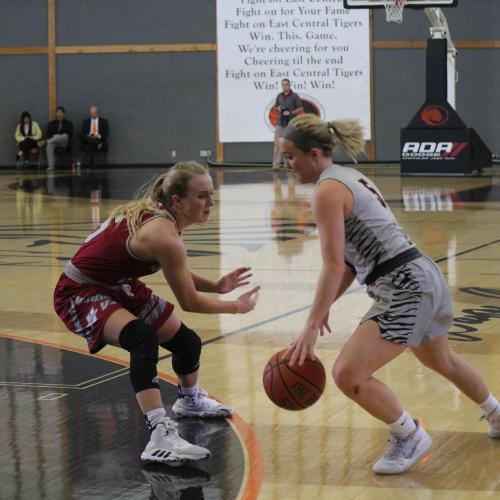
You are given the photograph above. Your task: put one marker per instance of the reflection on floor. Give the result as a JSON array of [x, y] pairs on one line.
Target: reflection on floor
[[72, 428]]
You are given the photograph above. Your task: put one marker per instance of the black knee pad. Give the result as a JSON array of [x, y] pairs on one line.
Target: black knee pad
[[185, 347], [140, 340]]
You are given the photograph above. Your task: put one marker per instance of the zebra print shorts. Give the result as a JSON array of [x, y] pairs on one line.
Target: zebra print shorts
[[412, 303]]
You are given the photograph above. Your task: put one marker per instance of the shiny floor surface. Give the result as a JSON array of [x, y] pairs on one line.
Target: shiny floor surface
[[70, 428]]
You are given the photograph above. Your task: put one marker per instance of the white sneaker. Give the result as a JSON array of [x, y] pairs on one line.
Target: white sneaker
[[494, 422], [402, 454], [200, 405], [165, 445]]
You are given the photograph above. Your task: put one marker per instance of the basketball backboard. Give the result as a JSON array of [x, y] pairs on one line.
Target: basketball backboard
[[394, 8], [373, 4]]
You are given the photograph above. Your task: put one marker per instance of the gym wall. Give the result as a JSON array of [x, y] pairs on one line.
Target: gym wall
[[150, 67]]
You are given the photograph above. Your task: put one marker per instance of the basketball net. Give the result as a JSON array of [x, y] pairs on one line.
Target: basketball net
[[394, 10]]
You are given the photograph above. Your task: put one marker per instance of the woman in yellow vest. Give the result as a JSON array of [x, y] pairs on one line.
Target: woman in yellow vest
[[28, 136]]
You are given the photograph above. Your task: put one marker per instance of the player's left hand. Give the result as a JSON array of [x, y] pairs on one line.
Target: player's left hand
[[235, 279], [303, 347], [325, 326]]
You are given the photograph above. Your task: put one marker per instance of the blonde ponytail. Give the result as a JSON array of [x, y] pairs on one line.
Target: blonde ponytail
[[155, 196], [349, 134], [308, 131]]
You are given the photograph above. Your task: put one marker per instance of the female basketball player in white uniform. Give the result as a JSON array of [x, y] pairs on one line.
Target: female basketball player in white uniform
[[100, 297], [360, 238]]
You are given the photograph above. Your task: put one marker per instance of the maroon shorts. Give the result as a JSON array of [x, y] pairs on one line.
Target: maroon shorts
[[84, 308]]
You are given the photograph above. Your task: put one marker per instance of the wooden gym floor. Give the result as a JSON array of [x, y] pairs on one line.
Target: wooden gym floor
[[70, 427]]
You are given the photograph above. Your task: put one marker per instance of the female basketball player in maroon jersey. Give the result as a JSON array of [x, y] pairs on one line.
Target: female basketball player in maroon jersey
[[100, 297], [360, 238]]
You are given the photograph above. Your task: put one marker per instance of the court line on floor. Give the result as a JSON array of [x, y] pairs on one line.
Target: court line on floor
[[266, 321], [303, 308], [493, 242]]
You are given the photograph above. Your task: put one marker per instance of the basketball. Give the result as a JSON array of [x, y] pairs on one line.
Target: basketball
[[293, 387]]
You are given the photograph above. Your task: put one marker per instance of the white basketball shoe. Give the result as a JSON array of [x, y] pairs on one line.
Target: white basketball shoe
[[200, 405], [494, 422], [402, 454], [165, 445]]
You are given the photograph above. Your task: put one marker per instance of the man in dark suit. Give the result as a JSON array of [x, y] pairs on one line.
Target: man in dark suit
[[94, 136], [59, 133]]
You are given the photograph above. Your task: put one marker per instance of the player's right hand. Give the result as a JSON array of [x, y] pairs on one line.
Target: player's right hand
[[246, 302]]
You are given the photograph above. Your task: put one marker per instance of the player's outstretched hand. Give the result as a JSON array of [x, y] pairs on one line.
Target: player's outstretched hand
[[235, 279], [246, 302]]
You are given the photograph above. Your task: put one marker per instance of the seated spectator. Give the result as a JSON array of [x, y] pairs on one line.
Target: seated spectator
[[59, 133], [28, 136], [94, 136]]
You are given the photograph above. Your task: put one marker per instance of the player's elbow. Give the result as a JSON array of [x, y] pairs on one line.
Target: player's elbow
[[189, 302]]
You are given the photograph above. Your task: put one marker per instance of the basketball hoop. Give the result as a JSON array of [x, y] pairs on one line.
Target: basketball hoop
[[394, 10]]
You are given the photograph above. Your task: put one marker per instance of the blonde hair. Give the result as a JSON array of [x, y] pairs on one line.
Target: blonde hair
[[327, 135], [150, 197]]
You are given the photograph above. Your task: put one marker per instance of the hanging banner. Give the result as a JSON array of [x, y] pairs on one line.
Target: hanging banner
[[322, 48]]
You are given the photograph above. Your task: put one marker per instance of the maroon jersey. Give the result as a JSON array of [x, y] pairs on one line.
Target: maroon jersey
[[105, 255]]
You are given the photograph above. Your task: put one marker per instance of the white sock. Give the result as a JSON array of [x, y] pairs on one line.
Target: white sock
[[189, 391], [154, 416], [489, 405], [403, 426]]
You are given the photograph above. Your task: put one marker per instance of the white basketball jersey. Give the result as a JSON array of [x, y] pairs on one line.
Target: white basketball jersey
[[372, 233]]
